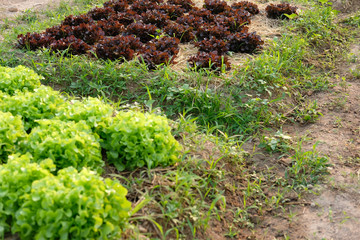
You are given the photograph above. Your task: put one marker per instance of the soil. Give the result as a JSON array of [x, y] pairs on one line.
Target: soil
[[11, 8], [335, 212], [346, 6]]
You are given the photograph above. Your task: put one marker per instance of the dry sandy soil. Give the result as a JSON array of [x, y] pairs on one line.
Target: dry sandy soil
[[10, 8], [334, 212]]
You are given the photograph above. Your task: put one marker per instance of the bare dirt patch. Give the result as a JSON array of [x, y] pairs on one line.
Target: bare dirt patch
[[334, 213], [11, 8], [346, 6]]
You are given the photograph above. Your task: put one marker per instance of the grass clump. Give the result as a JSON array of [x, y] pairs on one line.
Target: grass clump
[[318, 26], [307, 167]]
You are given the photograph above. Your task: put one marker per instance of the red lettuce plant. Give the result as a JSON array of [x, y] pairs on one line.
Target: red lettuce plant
[[74, 45], [210, 60], [205, 14], [126, 18], [34, 41], [216, 6], [117, 5], [173, 11], [76, 20], [142, 6], [234, 24], [219, 46], [153, 58], [89, 33], [187, 5], [252, 8], [101, 13], [118, 47], [59, 32], [166, 44], [155, 17], [279, 10], [191, 21], [244, 42], [208, 31], [145, 32], [185, 34], [110, 27]]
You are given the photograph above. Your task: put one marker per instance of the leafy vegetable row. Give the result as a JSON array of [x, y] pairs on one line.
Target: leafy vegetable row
[[51, 156], [38, 120], [151, 30], [70, 205]]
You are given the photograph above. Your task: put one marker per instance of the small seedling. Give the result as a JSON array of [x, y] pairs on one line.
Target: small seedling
[[278, 143], [308, 167], [308, 113]]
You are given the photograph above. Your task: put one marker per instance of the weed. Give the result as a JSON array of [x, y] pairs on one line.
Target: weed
[[344, 84], [307, 167], [292, 216], [330, 215], [307, 113], [269, 71], [338, 102], [346, 217], [278, 143], [6, 24], [226, 110], [355, 73], [352, 58], [338, 122], [28, 16], [317, 25], [286, 237], [231, 233], [353, 21]]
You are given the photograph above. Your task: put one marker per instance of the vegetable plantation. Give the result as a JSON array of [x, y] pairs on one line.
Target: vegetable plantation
[[102, 137], [57, 142], [152, 31]]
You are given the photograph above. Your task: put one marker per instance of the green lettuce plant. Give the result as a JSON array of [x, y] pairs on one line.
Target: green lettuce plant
[[73, 205], [18, 78], [11, 133], [16, 178], [66, 143], [91, 110], [135, 139], [40, 104]]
